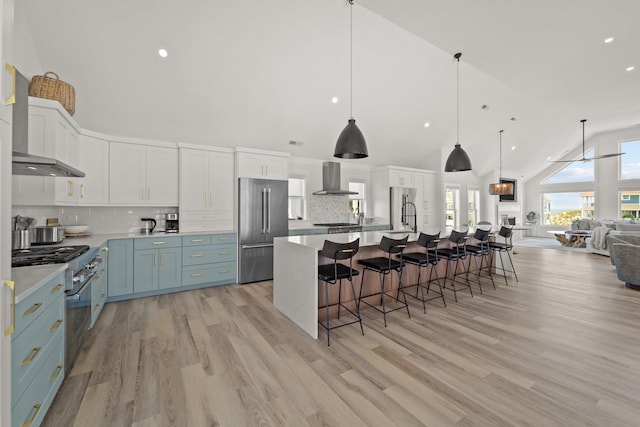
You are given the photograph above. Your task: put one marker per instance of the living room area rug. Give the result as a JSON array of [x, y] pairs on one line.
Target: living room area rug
[[544, 243]]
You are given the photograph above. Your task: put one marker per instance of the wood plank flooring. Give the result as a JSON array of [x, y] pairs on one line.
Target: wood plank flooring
[[559, 348]]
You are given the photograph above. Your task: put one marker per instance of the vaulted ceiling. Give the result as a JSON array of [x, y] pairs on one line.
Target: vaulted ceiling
[[260, 74]]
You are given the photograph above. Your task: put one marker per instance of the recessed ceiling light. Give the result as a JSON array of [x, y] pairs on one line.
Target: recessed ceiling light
[[631, 68], [513, 147], [427, 124], [608, 40], [163, 53], [334, 99], [549, 158]]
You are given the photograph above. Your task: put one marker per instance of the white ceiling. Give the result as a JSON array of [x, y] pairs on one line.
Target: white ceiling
[[260, 74]]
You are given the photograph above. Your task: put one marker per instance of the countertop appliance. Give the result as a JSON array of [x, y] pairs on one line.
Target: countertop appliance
[[403, 212], [262, 215], [340, 227], [171, 223], [148, 224]]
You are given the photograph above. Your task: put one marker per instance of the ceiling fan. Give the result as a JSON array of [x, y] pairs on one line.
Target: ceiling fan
[[583, 158]]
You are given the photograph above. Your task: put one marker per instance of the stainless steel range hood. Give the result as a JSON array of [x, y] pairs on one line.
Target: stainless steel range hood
[[24, 163], [331, 180]]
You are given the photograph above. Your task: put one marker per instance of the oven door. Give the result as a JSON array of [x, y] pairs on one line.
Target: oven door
[[78, 320]]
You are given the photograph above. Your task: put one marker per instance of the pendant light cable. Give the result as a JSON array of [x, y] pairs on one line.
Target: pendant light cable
[[500, 171], [458, 98], [351, 60]]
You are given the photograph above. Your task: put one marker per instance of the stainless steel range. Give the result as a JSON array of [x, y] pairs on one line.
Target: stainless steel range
[[340, 227], [83, 264]]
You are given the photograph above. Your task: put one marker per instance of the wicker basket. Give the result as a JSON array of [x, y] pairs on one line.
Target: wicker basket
[[54, 88]]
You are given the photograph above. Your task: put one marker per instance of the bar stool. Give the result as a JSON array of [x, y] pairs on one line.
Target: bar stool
[[384, 266], [423, 259], [507, 246], [457, 253], [332, 273], [482, 251]]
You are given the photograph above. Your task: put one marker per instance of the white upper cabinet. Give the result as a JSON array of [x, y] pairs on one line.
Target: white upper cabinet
[[94, 162], [262, 164], [52, 133], [401, 178], [142, 174], [206, 190]]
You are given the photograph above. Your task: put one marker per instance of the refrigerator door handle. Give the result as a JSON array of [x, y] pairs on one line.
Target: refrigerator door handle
[[268, 210], [264, 219], [256, 245]]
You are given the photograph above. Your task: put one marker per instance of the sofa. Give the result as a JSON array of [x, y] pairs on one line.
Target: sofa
[[625, 253], [598, 243]]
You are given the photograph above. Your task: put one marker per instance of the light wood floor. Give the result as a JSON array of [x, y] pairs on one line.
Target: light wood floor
[[559, 348]]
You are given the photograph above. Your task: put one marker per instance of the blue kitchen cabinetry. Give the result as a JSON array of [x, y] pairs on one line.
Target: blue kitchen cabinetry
[[120, 268], [99, 286], [209, 259], [157, 264], [37, 352]]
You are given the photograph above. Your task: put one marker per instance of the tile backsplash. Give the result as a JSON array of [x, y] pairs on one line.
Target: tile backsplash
[[101, 220], [329, 209]]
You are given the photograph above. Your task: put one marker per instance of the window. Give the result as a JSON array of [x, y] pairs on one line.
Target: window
[[451, 208], [564, 208], [296, 198], [574, 172], [630, 162], [630, 204], [356, 201], [473, 206]]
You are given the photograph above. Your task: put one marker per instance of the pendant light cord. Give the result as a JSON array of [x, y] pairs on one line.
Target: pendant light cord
[[457, 56], [351, 60], [500, 177], [583, 120]]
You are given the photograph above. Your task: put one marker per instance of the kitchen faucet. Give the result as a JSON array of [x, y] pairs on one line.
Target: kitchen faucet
[[415, 215]]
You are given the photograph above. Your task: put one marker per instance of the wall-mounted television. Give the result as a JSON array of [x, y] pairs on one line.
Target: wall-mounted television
[[509, 197]]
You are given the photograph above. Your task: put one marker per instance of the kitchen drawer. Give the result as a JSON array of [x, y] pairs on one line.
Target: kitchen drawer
[[224, 272], [198, 255], [30, 349], [199, 240], [157, 242], [31, 407], [32, 306], [223, 238]]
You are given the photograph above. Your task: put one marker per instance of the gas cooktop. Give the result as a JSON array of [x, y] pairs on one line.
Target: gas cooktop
[[46, 255]]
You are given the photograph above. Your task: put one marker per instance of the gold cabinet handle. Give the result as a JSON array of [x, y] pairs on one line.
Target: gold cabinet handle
[[95, 307], [210, 199], [225, 270], [196, 275], [155, 260], [159, 243], [267, 169], [55, 325], [33, 309], [223, 238], [36, 408], [70, 186], [196, 240], [148, 193], [196, 255], [11, 285], [56, 373], [57, 288], [33, 354], [102, 296], [82, 191], [12, 97], [105, 249], [161, 258], [223, 253], [142, 193]]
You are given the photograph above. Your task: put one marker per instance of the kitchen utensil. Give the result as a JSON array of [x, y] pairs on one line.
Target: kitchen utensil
[[76, 228], [43, 235], [148, 225], [21, 239]]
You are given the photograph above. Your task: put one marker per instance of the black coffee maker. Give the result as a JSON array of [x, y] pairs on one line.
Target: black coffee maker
[[171, 223]]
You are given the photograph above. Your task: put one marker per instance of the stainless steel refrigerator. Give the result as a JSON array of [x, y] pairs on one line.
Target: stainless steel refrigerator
[[262, 215]]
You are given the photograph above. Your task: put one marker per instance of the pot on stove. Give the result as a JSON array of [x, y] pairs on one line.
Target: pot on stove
[[20, 239]]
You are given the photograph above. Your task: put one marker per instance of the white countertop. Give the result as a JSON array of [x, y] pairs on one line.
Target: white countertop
[[367, 238], [29, 279]]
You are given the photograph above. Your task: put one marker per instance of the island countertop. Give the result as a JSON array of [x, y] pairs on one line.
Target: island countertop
[[367, 238]]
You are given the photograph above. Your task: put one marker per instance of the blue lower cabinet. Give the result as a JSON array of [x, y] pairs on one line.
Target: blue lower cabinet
[[216, 274], [120, 268], [157, 269]]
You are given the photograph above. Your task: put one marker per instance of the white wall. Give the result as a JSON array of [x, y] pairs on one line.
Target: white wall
[[606, 185]]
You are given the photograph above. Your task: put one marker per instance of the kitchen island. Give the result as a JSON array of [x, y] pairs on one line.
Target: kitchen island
[[295, 271]]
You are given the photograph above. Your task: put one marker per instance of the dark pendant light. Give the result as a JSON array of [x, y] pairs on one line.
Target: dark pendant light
[[458, 160], [351, 143], [587, 159], [501, 188]]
